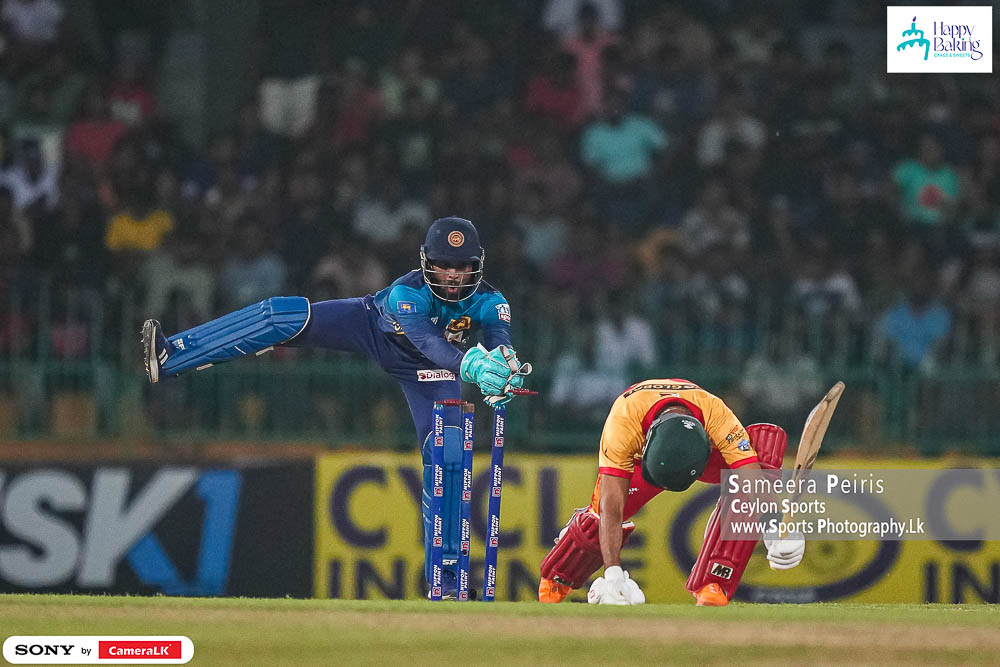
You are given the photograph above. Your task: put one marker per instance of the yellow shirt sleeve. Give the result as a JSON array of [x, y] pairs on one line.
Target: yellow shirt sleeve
[[622, 438], [726, 433]]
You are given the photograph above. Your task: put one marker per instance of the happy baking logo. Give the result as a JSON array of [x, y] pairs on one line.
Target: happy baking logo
[[917, 39], [939, 39], [949, 40]]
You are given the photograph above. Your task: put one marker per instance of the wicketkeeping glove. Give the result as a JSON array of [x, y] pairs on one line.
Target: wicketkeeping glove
[[497, 372], [488, 370], [785, 553]]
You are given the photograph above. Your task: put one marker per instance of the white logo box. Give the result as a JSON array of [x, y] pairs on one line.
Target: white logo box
[[938, 39]]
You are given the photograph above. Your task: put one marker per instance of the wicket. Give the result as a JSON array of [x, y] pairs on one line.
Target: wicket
[[465, 501]]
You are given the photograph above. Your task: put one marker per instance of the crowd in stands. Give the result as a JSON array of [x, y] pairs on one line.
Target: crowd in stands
[[652, 182]]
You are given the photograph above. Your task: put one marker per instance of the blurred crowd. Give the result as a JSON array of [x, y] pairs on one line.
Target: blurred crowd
[[738, 183]]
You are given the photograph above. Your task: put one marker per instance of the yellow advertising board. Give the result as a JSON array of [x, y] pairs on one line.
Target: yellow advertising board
[[369, 538]]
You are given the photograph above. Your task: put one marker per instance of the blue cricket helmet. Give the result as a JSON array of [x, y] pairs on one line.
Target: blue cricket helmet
[[453, 240]]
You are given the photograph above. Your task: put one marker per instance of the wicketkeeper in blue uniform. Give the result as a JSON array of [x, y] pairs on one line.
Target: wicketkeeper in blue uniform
[[416, 329]]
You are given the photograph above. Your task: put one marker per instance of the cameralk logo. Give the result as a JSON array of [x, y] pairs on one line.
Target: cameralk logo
[[939, 39], [88, 650]]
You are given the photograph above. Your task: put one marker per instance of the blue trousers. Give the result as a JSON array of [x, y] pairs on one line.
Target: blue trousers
[[351, 325]]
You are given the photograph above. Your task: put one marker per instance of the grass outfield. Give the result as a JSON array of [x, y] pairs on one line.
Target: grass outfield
[[339, 632]]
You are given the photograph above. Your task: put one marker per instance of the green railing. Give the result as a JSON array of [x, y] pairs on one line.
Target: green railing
[[337, 399], [343, 400]]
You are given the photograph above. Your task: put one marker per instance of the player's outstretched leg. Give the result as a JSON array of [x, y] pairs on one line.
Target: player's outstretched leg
[[251, 330]]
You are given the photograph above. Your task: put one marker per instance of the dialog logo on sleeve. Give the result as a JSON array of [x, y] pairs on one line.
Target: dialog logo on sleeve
[[436, 375], [503, 312]]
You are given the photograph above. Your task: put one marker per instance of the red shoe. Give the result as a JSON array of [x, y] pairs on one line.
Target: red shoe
[[711, 595], [552, 591]]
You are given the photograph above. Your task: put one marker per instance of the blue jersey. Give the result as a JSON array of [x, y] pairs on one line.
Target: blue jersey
[[439, 330]]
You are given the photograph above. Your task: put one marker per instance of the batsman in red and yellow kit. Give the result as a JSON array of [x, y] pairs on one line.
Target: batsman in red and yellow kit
[[663, 435]]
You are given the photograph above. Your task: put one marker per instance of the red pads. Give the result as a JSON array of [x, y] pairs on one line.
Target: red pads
[[577, 555], [723, 562]]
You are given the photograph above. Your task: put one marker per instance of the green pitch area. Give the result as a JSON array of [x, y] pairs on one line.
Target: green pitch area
[[334, 632]]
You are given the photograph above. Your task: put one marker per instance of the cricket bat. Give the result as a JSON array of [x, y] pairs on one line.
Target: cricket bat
[[814, 430], [812, 436]]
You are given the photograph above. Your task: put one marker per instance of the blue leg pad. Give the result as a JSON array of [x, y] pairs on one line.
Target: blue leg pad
[[451, 522], [247, 331]]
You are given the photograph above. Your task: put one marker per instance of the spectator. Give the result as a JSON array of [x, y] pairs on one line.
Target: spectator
[[130, 97], [64, 85], [34, 122], [714, 220], [257, 148], [916, 325], [731, 123], [18, 235], [380, 219], [543, 231], [721, 299], [415, 139], [821, 283], [477, 82], [553, 172], [33, 183], [624, 342], [348, 268], [928, 186], [289, 31], [979, 300], [621, 149], [581, 388], [553, 93], [140, 226], [562, 16], [780, 383], [35, 25], [254, 271], [587, 45], [408, 77], [91, 139], [348, 110], [176, 274]]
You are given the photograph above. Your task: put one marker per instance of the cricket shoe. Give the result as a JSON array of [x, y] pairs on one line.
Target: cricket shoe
[[154, 349], [550, 590], [449, 587], [711, 595]]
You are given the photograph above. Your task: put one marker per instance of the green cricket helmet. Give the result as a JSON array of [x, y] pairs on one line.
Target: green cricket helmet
[[676, 451]]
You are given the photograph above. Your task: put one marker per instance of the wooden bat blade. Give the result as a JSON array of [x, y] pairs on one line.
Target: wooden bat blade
[[815, 429]]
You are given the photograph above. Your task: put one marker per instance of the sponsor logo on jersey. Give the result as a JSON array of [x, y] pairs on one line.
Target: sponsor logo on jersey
[[736, 434], [744, 445], [436, 375], [503, 312], [407, 307], [463, 323], [660, 386]]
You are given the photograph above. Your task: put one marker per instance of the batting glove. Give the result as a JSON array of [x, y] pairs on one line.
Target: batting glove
[[785, 553], [615, 588]]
